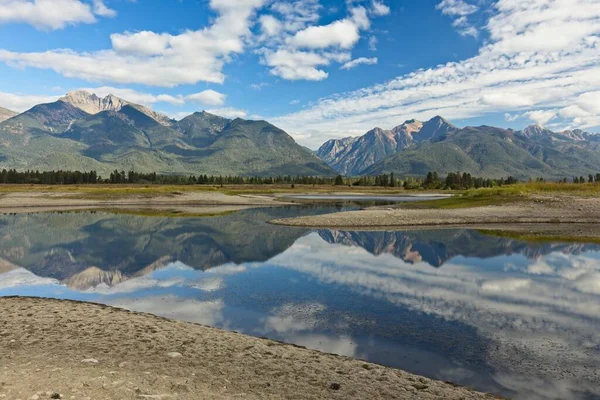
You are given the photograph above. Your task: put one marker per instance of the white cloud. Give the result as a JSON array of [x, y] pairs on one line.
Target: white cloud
[[134, 96], [46, 14], [208, 97], [102, 10], [541, 117], [286, 32], [373, 43], [589, 102], [301, 50], [360, 61], [270, 25], [23, 102], [259, 86], [513, 73], [380, 9], [228, 112], [460, 10], [296, 65], [456, 8], [342, 33], [158, 59], [52, 14]]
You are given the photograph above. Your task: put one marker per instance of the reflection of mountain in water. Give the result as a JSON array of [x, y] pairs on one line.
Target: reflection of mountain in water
[[86, 249], [436, 247]]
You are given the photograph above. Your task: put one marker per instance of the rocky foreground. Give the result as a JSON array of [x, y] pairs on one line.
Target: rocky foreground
[[70, 350]]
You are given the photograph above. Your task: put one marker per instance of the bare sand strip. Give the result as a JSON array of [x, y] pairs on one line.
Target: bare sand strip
[[88, 351], [532, 212], [21, 202]]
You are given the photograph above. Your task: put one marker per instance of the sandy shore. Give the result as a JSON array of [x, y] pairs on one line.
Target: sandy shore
[[28, 201], [536, 210], [87, 351]]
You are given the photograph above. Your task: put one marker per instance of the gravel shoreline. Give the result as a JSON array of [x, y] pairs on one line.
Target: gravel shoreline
[[533, 213], [89, 351]]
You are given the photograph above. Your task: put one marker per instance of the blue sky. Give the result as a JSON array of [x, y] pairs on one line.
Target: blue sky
[[317, 68]]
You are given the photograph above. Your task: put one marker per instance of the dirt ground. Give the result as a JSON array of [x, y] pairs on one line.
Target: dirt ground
[[32, 201], [69, 350], [554, 210]]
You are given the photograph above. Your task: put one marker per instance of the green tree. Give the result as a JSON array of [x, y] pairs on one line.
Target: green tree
[[339, 180]]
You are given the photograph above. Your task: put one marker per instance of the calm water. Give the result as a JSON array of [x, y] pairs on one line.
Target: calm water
[[367, 199], [505, 316]]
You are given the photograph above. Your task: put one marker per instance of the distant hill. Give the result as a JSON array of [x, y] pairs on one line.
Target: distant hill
[[437, 145], [6, 114], [84, 132]]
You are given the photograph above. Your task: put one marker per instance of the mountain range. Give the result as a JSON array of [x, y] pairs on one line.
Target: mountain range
[[415, 148], [82, 131]]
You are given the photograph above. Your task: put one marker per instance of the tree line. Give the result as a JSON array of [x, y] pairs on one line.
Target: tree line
[[61, 177], [453, 180]]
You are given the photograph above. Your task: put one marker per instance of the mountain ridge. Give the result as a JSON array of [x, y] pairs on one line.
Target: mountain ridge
[[437, 145], [82, 131], [93, 104], [352, 155]]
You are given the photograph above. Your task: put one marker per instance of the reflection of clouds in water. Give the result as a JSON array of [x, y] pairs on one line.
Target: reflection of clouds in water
[[208, 285], [227, 269], [170, 306], [505, 285], [547, 317], [22, 277], [174, 274], [292, 318], [342, 345], [293, 322]]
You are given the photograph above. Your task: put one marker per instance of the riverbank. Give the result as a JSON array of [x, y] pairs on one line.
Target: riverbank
[[553, 213], [188, 202], [78, 351], [38, 198]]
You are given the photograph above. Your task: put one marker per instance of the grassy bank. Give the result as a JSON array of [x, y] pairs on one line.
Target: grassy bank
[[509, 194], [109, 191]]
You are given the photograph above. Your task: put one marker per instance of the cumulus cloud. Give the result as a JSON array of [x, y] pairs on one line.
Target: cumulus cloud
[[296, 65], [541, 117], [102, 10], [208, 97], [380, 9], [52, 14], [516, 72], [360, 61], [344, 33], [158, 59], [287, 37], [302, 49]]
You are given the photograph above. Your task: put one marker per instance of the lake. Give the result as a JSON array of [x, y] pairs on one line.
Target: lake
[[500, 315]]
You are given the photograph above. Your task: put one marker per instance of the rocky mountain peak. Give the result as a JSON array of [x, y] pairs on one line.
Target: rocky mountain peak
[[92, 104], [408, 127]]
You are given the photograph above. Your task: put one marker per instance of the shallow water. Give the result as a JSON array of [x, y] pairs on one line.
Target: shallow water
[[368, 199], [513, 318]]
